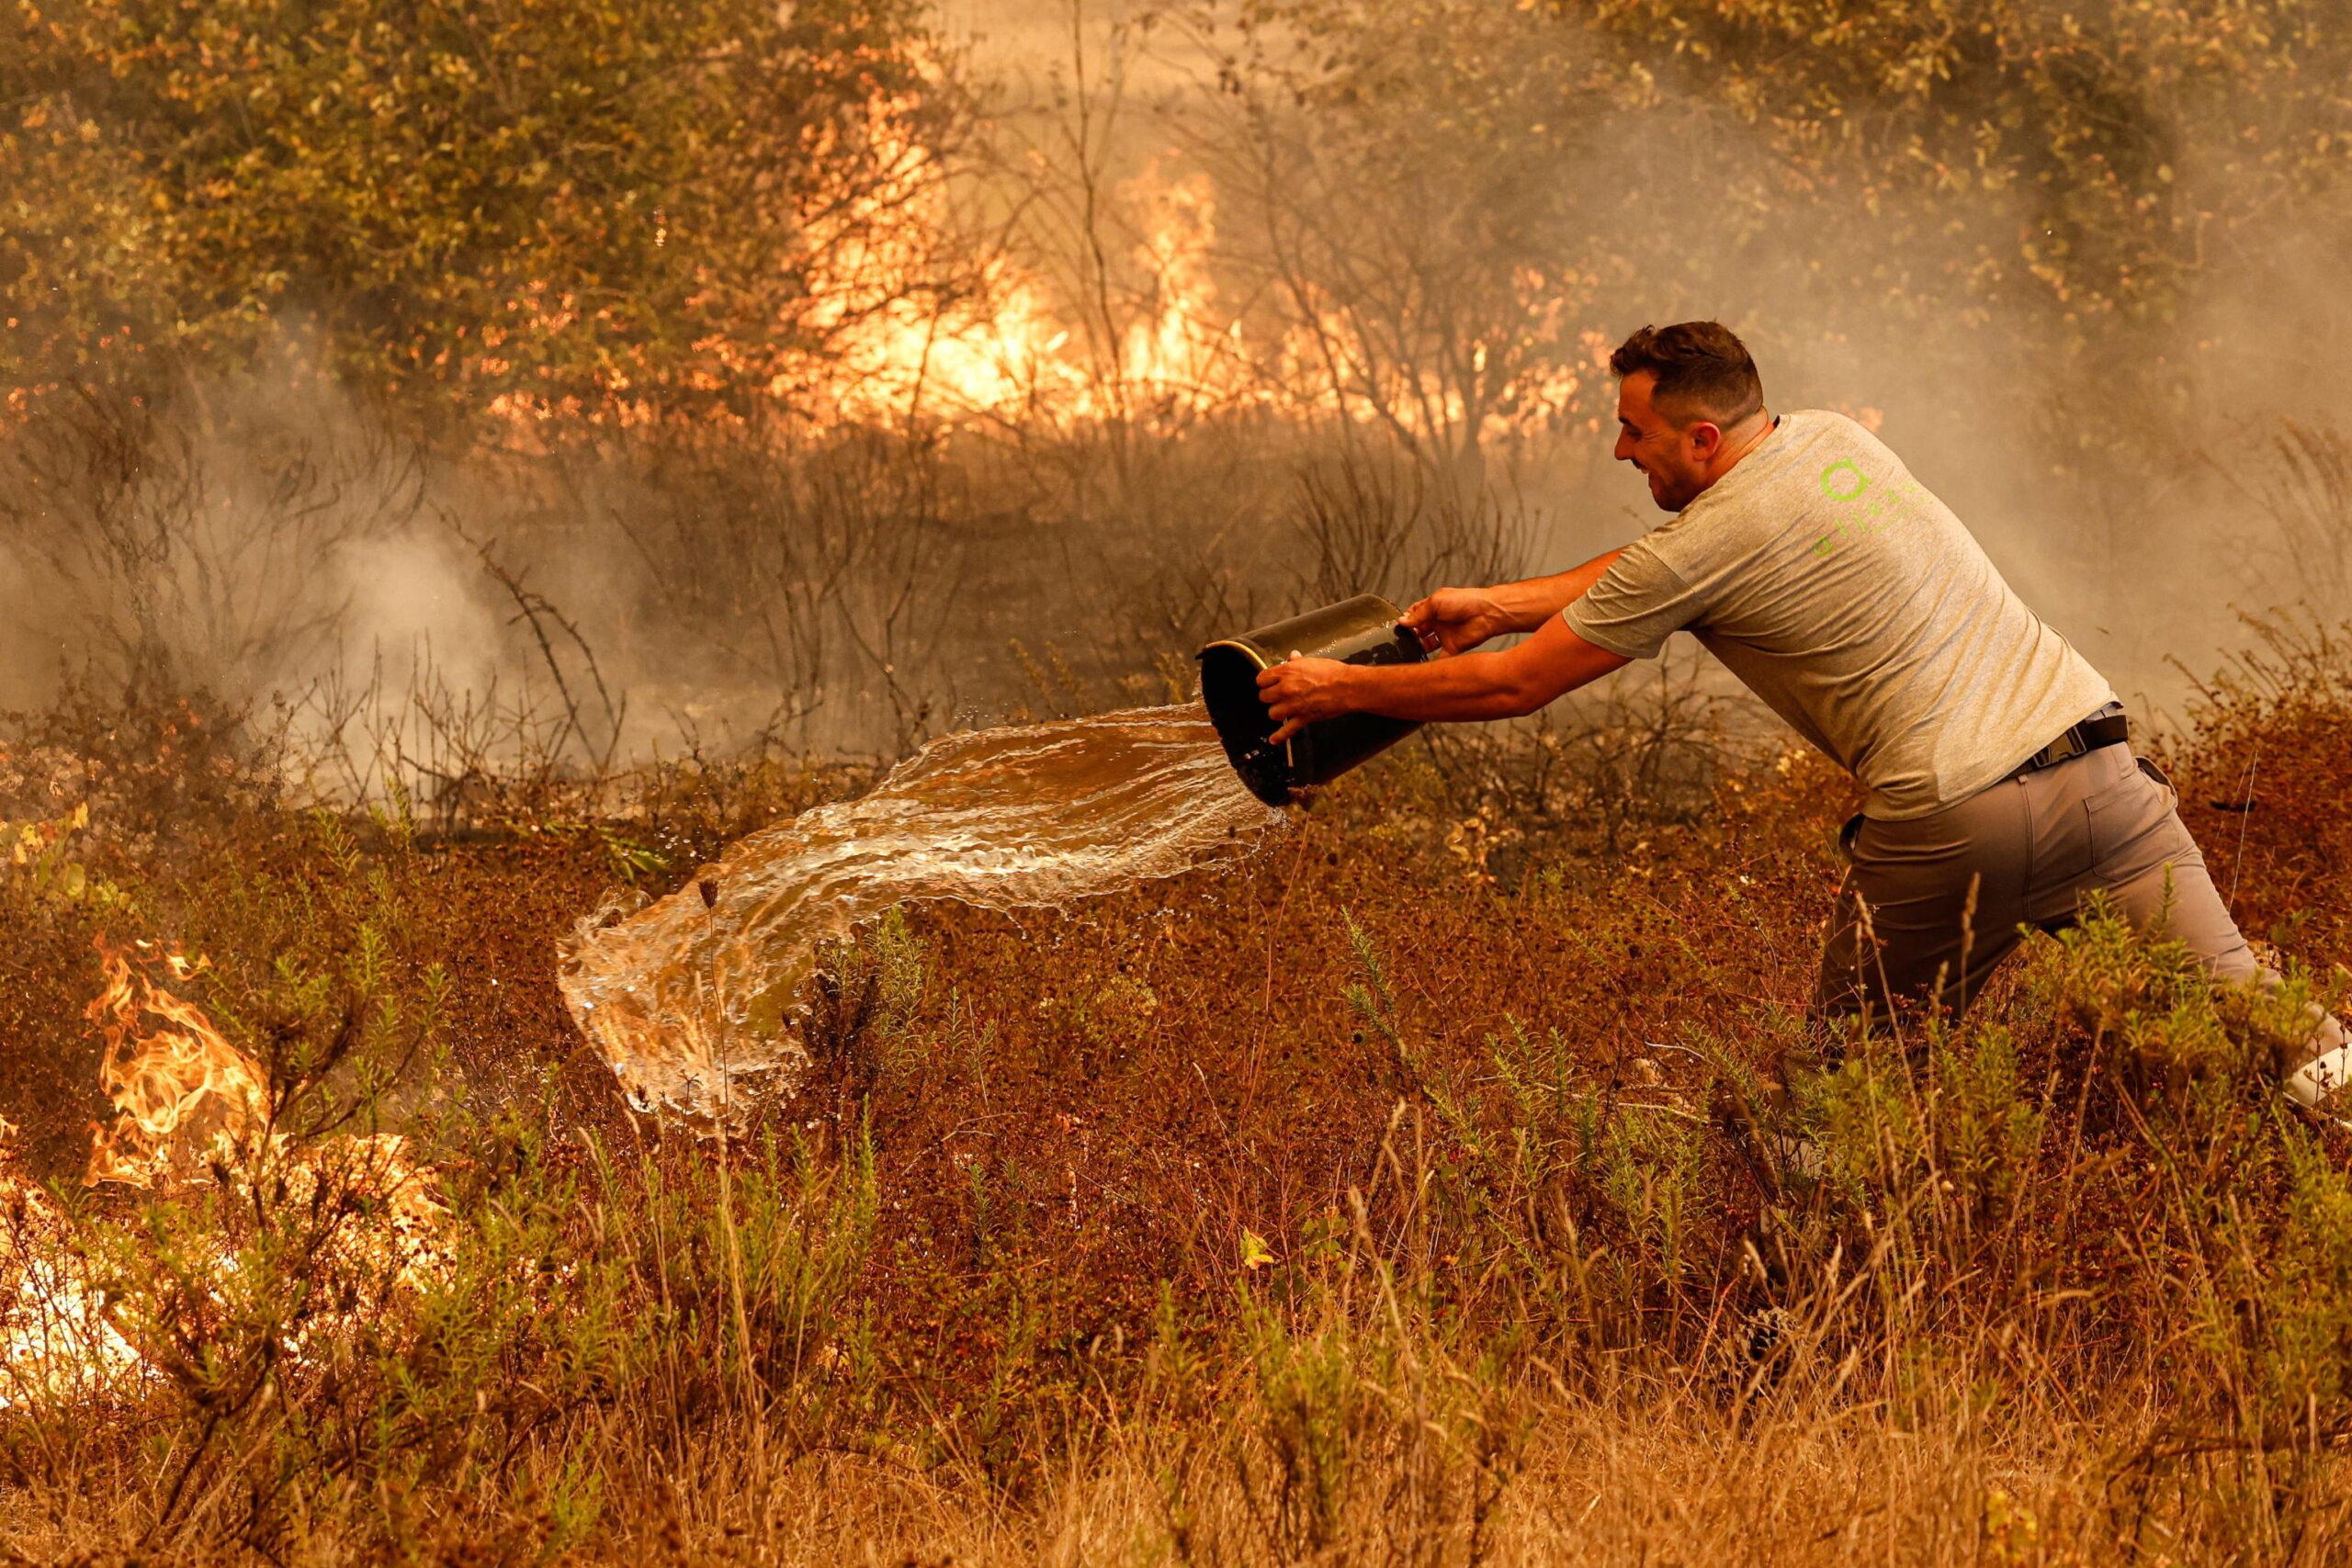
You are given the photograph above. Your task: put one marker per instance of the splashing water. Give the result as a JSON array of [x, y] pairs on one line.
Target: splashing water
[[696, 1000]]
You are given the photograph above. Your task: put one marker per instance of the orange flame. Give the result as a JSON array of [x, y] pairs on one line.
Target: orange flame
[[1156, 348], [176, 1088], [183, 1093]]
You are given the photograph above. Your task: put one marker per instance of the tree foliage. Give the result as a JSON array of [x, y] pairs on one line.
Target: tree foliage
[[1467, 204], [650, 205], [2126, 146], [551, 199]]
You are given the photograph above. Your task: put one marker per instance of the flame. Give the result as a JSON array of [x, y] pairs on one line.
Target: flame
[[180, 1078], [1008, 353], [397, 1246], [56, 1339], [1166, 350], [1156, 348], [183, 1092], [187, 1100]]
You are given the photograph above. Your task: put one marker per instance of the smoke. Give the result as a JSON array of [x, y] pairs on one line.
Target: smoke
[[415, 610], [422, 613], [2138, 485]]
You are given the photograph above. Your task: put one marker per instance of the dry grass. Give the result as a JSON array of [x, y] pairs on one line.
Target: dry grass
[[1371, 1202]]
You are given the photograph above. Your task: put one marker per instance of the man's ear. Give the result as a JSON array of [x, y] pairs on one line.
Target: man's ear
[[1706, 439]]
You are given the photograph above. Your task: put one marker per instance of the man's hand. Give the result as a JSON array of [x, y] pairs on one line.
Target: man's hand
[[1300, 690], [1456, 619]]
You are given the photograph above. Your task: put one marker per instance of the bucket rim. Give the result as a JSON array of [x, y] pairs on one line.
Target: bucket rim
[[1290, 746]]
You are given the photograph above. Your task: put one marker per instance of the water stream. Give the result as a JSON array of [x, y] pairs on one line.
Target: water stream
[[695, 999]]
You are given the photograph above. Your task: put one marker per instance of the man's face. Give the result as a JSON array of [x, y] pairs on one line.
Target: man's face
[[1672, 457]]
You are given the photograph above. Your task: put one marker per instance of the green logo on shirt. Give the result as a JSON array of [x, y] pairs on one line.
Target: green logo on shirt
[[1861, 506], [1841, 480]]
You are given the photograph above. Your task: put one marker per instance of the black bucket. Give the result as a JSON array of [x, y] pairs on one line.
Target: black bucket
[[1362, 630]]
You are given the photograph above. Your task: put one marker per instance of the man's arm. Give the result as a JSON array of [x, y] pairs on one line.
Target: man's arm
[[1534, 600], [1458, 620], [1508, 684]]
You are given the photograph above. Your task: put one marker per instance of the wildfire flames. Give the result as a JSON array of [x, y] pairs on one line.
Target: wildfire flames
[[192, 1108], [1156, 348], [174, 1089], [55, 1337], [1168, 351], [914, 305]]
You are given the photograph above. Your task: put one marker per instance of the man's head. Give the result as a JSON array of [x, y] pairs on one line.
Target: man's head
[[1682, 390]]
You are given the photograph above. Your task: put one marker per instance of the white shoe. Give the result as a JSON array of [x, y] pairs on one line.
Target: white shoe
[[1797, 1156], [2321, 1085]]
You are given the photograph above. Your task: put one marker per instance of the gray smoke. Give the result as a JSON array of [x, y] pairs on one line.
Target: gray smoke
[[413, 615]]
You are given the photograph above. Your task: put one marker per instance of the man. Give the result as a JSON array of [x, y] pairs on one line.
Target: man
[[1803, 554]]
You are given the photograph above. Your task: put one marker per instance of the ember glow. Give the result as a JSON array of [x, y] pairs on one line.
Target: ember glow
[[57, 1343]]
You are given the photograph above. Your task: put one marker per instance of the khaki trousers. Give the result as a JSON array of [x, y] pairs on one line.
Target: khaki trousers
[[2032, 846]]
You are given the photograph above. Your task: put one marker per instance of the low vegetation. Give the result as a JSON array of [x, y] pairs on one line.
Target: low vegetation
[[1387, 1197]]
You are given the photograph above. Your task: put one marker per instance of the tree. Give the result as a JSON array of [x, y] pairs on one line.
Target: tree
[[2095, 160], [1456, 201], [598, 204], [1401, 164]]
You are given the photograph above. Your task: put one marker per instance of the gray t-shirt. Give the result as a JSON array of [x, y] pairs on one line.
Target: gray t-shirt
[[1854, 603]]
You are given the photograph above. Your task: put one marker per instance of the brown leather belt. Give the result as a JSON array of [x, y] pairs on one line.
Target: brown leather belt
[[2101, 728]]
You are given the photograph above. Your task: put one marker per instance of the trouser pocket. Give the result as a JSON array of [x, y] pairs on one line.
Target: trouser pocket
[[2133, 823], [2150, 770]]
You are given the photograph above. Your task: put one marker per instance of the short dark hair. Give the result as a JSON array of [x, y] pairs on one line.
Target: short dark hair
[[1704, 371]]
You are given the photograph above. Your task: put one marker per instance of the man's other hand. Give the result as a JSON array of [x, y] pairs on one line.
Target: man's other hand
[[1301, 690], [1456, 619]]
